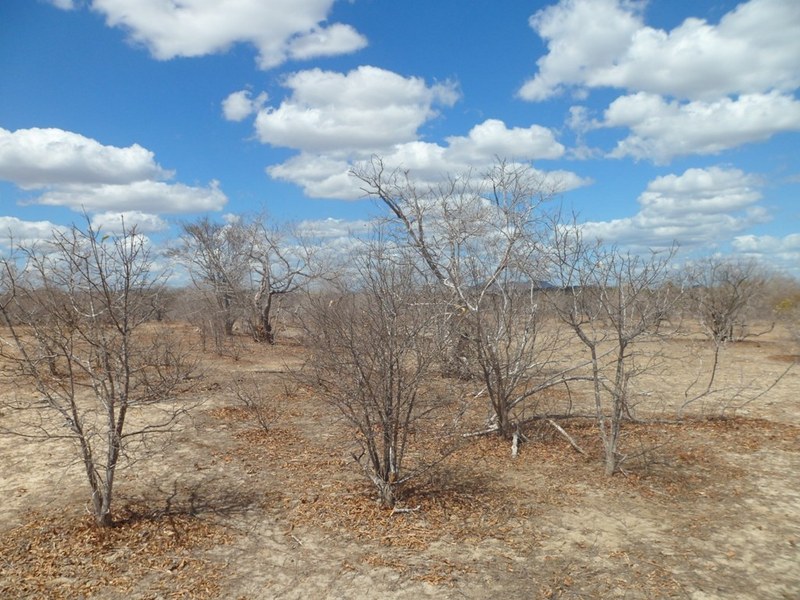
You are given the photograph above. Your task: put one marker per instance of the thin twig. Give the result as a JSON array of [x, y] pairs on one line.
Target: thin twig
[[396, 510]]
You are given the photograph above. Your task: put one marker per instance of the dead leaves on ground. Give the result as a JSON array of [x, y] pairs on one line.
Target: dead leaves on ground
[[58, 557], [477, 495], [472, 495]]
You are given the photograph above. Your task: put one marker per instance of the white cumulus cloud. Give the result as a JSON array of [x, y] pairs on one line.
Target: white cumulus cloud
[[26, 233], [278, 29], [36, 157], [661, 130], [78, 172], [326, 41], [368, 108], [155, 197], [767, 244], [320, 176], [700, 88], [605, 43], [781, 251], [237, 106], [428, 164], [126, 220], [582, 36], [492, 138], [701, 191], [701, 206], [336, 120]]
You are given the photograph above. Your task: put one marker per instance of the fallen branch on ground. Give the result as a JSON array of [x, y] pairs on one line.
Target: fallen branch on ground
[[568, 437]]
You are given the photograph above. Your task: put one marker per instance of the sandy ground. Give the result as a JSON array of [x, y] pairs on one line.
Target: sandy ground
[[708, 509]]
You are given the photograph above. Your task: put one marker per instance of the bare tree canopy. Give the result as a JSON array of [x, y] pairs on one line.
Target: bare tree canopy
[[724, 293], [243, 266], [78, 314], [372, 351], [470, 229], [217, 256], [611, 300], [479, 236]]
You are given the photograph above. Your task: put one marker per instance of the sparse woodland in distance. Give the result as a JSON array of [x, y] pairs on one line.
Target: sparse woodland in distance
[[370, 299], [475, 287], [471, 310]]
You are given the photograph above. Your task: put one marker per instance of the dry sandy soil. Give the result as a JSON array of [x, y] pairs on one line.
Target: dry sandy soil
[[707, 508]]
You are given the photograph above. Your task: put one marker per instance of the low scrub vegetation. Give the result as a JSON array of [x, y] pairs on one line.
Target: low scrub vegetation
[[469, 312]]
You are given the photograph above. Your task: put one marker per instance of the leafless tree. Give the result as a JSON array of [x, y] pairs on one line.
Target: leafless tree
[[722, 294], [478, 237], [785, 302], [244, 265], [724, 291], [372, 350], [469, 229], [217, 257], [729, 295], [612, 300], [281, 263], [78, 326]]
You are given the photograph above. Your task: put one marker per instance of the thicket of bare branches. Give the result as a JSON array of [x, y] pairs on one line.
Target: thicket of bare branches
[[725, 294], [216, 257], [518, 286], [79, 314], [242, 267], [468, 287], [784, 302], [612, 300], [479, 237], [372, 356]]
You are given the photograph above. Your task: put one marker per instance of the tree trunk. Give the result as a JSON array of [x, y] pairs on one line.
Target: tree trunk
[[262, 319], [265, 332], [104, 519], [229, 323], [611, 459], [388, 498], [457, 352], [504, 425]]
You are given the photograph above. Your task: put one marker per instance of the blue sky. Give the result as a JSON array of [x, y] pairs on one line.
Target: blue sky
[[662, 120]]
